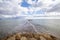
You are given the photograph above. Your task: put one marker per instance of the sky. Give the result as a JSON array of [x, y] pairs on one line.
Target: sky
[[14, 8]]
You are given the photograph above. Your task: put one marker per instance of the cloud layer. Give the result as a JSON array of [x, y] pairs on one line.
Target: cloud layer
[[55, 8], [14, 8]]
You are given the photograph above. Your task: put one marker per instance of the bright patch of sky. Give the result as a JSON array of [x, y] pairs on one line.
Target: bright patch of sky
[[24, 4], [28, 7]]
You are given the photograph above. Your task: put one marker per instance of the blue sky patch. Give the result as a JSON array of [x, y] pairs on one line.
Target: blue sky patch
[[25, 4]]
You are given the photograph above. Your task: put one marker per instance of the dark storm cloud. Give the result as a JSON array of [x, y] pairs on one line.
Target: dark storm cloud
[[55, 8]]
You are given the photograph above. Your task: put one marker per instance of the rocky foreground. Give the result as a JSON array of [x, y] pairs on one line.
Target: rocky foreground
[[29, 36]]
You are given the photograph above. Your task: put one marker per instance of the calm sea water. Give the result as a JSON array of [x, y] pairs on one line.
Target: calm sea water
[[51, 26]]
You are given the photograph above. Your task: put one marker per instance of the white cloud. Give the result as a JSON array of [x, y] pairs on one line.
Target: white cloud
[[8, 7], [55, 8], [12, 8]]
